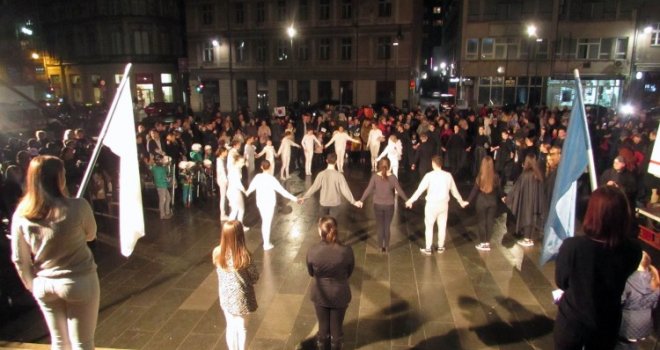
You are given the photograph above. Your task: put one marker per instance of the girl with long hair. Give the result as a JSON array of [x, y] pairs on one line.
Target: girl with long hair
[[236, 278], [640, 297], [385, 186], [330, 263], [485, 194], [49, 238], [592, 271], [527, 200]]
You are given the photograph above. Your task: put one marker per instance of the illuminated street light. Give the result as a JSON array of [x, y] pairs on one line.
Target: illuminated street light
[[35, 56], [26, 31], [215, 43], [639, 75], [627, 109], [648, 30], [531, 30], [443, 65], [500, 70], [291, 31]]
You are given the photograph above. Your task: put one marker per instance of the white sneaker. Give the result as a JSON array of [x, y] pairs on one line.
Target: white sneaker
[[426, 251], [483, 247], [246, 229], [525, 242], [440, 250], [224, 218], [268, 246]]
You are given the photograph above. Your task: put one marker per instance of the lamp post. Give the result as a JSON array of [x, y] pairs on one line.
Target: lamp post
[[291, 32], [531, 34]]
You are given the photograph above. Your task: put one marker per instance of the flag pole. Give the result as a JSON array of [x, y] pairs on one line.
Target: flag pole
[[104, 131], [590, 153]]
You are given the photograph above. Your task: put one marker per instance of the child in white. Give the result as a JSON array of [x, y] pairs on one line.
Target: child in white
[[285, 153], [393, 151], [221, 179], [437, 184], [339, 138], [233, 154], [307, 143], [269, 153], [249, 151], [373, 143], [235, 191], [266, 186]]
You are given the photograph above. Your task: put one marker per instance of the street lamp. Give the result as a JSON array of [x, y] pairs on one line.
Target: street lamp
[[291, 32], [531, 34], [215, 42]]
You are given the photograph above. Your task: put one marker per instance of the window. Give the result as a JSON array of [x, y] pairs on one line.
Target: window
[[347, 9], [240, 51], [261, 51], [206, 12], [588, 49], [605, 48], [472, 49], [474, 13], [261, 12], [542, 50], [282, 52], [324, 49], [384, 46], [141, 41], [116, 43], [239, 13], [384, 8], [303, 10], [346, 48], [207, 52], [303, 50], [506, 48], [621, 48], [281, 10], [324, 9], [655, 35], [325, 90], [304, 91], [487, 48], [566, 48]]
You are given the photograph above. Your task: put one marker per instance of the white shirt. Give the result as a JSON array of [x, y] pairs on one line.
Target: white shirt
[[340, 139], [308, 142], [221, 172], [437, 184], [393, 151], [375, 135], [285, 147], [266, 186]]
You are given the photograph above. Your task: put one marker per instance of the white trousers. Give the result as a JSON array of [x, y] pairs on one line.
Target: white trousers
[[71, 309], [284, 172], [266, 212], [237, 204], [394, 166], [236, 331], [309, 157], [435, 213], [373, 149], [223, 198], [341, 153]]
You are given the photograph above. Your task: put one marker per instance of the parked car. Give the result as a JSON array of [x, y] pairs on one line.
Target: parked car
[[163, 110]]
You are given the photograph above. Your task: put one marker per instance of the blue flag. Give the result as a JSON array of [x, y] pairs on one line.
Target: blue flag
[[574, 160]]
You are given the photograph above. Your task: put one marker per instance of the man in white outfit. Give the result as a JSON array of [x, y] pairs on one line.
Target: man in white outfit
[[339, 139], [373, 143], [307, 143], [266, 186], [437, 184]]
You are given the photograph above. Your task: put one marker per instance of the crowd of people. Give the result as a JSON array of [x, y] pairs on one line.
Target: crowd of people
[[510, 157]]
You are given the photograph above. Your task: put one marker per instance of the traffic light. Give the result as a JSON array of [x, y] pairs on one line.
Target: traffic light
[[199, 88]]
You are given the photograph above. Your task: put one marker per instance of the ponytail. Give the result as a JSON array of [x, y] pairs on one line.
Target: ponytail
[[646, 264], [328, 229], [383, 167]]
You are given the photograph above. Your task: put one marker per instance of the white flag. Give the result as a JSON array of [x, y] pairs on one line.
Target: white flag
[[120, 138], [654, 163]]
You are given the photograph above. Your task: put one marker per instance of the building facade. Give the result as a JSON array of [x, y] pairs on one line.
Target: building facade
[[88, 43], [263, 54], [525, 51]]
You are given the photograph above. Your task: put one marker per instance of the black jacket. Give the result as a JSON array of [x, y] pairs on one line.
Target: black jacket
[[331, 265]]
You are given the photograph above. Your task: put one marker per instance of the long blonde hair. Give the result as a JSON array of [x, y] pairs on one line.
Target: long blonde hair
[[45, 187], [486, 177], [232, 247]]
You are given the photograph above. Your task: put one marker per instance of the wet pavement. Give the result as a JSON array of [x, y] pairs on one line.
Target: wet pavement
[[165, 295]]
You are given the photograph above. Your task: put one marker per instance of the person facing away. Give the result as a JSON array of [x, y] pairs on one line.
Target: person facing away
[[527, 201], [49, 238], [333, 185], [331, 264], [592, 271], [438, 184], [267, 186], [639, 298], [236, 278], [486, 193]]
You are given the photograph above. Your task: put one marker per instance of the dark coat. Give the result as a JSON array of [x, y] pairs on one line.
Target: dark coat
[[527, 201], [331, 265]]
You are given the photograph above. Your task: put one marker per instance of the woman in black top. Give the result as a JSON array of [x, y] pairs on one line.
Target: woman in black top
[[331, 264], [487, 192], [592, 271], [385, 186]]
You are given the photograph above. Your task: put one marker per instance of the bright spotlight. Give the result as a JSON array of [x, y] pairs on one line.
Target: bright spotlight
[[531, 30], [215, 43], [627, 109], [26, 31], [639, 75], [443, 65]]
